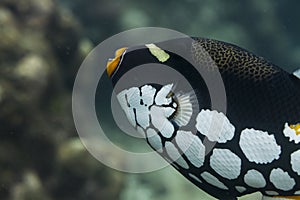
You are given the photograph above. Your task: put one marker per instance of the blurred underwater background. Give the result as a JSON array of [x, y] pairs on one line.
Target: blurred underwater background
[[42, 45]]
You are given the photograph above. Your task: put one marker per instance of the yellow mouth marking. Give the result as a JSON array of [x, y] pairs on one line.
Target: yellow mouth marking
[[296, 128], [112, 65], [160, 54]]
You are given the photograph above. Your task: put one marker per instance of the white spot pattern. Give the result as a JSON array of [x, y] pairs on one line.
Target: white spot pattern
[[161, 122], [254, 179], [142, 111], [140, 130], [295, 161], [168, 111], [154, 140], [130, 100], [133, 98], [175, 155], [148, 93], [174, 104], [291, 134], [213, 180], [191, 146], [161, 96], [240, 189], [123, 103], [297, 192], [215, 126], [272, 193], [194, 177], [258, 146], [281, 179], [226, 163]]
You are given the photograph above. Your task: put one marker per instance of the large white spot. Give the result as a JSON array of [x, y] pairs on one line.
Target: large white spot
[[213, 180], [215, 126], [295, 161], [136, 105], [154, 140], [240, 189], [191, 146], [168, 111], [258, 146], [291, 134], [122, 98], [133, 96], [282, 180], [175, 155], [142, 116], [195, 177], [161, 96], [254, 179], [159, 121], [142, 106], [226, 163], [148, 93]]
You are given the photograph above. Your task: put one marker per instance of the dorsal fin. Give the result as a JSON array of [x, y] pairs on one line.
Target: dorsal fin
[[297, 73]]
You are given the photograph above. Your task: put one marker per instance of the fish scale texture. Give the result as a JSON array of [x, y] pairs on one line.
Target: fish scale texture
[[259, 146]]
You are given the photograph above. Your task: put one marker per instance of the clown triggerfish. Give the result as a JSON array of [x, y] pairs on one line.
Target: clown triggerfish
[[253, 146]]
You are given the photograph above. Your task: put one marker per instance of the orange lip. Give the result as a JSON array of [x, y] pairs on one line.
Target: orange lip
[[112, 64]]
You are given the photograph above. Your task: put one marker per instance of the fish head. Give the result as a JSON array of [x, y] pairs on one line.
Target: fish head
[[150, 105]]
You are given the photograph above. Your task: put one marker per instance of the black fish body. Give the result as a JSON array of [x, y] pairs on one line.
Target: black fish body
[[257, 91], [253, 146]]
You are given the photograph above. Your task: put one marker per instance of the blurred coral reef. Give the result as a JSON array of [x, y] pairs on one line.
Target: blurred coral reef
[[41, 157], [42, 44]]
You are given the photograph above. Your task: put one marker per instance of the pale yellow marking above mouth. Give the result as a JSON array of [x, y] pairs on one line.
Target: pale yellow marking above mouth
[[160, 54]]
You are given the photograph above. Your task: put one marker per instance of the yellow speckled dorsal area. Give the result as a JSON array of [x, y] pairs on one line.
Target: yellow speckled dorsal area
[[232, 59], [296, 127]]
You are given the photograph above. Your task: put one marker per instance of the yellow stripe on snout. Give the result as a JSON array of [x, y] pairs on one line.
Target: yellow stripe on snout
[[112, 65]]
